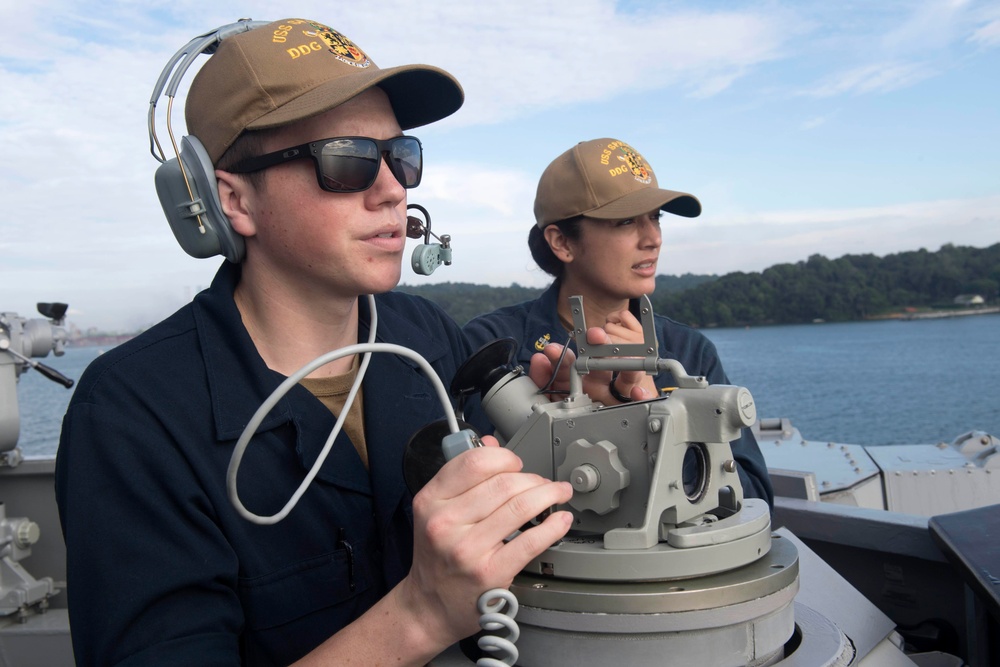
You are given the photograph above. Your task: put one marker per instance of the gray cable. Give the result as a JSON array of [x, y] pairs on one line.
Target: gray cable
[[491, 602], [502, 651], [291, 381]]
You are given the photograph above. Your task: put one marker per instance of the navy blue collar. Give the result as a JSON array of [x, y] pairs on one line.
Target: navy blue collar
[[239, 381]]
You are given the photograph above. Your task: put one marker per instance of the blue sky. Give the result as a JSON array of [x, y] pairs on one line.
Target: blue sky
[[803, 128]]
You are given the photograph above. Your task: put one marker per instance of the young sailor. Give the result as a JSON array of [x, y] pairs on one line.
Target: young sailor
[[597, 211], [312, 163]]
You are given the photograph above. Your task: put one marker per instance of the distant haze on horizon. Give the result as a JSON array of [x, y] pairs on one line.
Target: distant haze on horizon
[[803, 127]]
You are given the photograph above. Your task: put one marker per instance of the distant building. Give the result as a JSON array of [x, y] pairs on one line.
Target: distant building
[[969, 300]]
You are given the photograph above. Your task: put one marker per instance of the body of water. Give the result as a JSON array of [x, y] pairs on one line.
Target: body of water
[[870, 383], [43, 403]]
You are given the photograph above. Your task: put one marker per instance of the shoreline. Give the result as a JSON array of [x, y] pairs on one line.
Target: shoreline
[[941, 314]]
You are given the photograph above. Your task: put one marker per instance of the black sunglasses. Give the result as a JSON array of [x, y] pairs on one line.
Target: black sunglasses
[[349, 164]]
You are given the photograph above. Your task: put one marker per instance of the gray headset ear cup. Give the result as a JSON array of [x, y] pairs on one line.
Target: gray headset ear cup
[[181, 212]]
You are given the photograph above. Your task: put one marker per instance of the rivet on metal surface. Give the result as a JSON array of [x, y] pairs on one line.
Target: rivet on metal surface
[[655, 425], [729, 466]]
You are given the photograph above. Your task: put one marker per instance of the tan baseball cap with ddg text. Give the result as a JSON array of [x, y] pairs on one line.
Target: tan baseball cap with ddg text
[[292, 69], [605, 179]]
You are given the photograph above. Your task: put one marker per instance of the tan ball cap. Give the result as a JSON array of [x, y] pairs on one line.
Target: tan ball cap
[[605, 179], [295, 68]]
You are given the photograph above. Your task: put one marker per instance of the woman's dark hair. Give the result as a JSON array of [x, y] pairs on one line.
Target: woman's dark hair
[[542, 253]]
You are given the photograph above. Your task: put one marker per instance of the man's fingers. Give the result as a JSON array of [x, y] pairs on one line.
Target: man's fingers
[[532, 542], [470, 468]]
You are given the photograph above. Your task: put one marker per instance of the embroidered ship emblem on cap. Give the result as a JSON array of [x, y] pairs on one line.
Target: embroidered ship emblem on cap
[[342, 48], [636, 164]]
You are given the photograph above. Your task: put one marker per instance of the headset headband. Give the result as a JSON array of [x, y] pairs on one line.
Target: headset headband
[[206, 43]]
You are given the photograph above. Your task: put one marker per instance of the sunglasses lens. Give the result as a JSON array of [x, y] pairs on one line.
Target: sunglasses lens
[[406, 161], [351, 165]]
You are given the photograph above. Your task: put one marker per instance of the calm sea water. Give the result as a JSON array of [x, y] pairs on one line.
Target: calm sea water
[[872, 383]]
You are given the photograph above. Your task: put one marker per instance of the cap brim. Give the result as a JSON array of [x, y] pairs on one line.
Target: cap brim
[[419, 94], [646, 200]]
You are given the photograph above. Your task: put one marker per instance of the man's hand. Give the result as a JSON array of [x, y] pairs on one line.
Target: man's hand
[[462, 519]]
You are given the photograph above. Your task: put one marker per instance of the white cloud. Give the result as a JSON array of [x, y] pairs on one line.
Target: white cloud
[[932, 25], [987, 35], [815, 121], [523, 56], [720, 243], [82, 223], [501, 191], [873, 78]]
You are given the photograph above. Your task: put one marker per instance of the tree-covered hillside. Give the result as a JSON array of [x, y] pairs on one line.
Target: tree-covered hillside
[[852, 287], [463, 301]]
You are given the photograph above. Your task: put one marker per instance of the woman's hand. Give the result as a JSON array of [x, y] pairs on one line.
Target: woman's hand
[[637, 385], [623, 328]]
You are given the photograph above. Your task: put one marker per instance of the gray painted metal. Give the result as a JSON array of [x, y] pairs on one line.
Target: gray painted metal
[[836, 466], [832, 596], [921, 479], [775, 571], [935, 479], [587, 558]]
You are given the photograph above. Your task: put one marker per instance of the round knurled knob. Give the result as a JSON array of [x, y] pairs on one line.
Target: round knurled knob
[[27, 533]]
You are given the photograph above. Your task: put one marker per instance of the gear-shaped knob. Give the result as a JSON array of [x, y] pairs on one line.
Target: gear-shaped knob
[[596, 473]]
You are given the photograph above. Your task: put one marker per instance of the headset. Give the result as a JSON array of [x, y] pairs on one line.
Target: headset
[[187, 187]]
